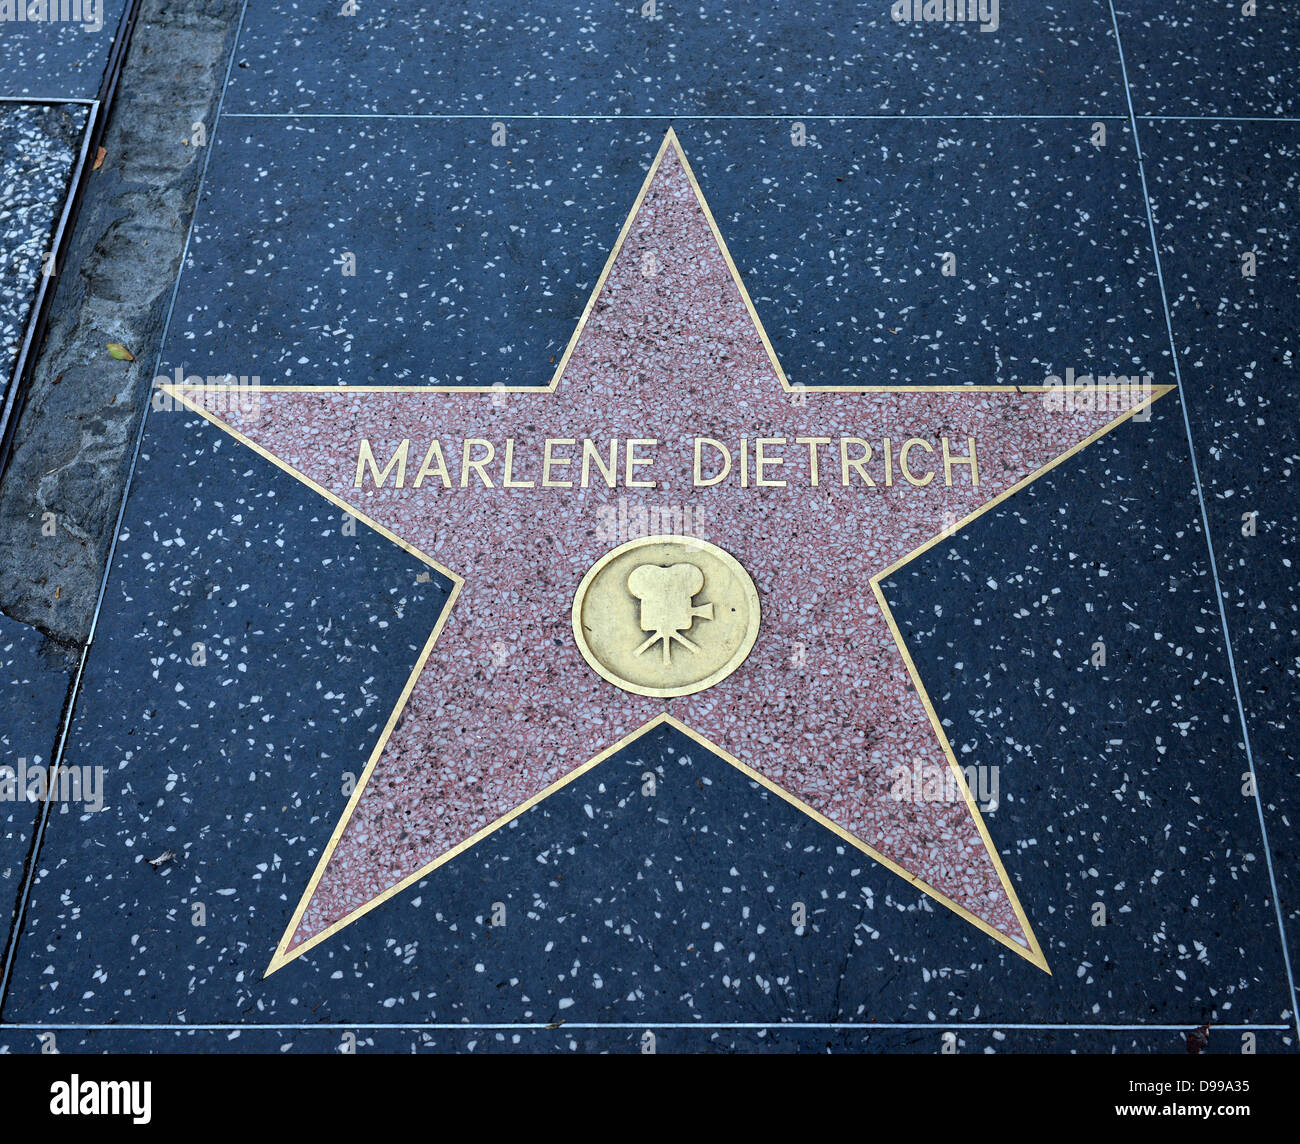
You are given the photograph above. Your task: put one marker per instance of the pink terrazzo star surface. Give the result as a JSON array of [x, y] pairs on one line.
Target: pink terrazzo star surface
[[504, 708]]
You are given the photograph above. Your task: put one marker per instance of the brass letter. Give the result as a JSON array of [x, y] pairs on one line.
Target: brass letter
[[439, 470], [700, 481], [949, 461], [812, 443], [509, 481], [478, 466], [590, 453], [365, 456], [549, 461], [632, 462], [760, 461], [855, 463], [902, 460]]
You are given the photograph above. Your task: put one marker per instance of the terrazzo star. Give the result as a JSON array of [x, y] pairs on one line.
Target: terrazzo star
[[466, 751]]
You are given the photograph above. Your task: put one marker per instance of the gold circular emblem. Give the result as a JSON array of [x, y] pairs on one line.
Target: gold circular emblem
[[665, 615]]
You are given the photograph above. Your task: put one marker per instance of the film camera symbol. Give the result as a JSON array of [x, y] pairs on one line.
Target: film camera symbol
[[665, 593]]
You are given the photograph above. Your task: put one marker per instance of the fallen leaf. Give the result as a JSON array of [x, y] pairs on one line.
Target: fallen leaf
[[100, 156], [120, 352]]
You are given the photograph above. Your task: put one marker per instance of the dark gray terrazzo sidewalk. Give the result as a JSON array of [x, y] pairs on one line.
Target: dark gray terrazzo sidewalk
[[1159, 785]]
